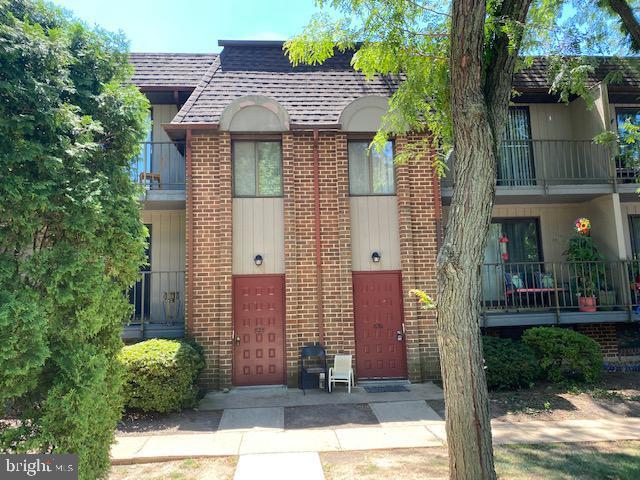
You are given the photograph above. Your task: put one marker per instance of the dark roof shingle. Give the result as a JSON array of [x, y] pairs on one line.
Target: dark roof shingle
[[625, 73], [310, 94], [169, 69]]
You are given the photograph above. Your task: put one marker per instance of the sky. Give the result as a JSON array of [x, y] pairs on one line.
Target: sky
[[193, 25]]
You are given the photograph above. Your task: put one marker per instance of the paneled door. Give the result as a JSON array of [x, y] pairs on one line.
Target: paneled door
[[258, 324], [380, 339]]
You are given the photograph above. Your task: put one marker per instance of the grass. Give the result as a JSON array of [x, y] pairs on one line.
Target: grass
[[592, 461], [219, 468], [559, 461], [605, 460]]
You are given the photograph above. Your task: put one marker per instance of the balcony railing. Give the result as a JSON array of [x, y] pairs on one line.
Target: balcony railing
[[158, 303], [160, 166], [559, 286], [527, 163]]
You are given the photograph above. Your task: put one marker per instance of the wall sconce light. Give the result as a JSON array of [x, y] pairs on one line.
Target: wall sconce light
[[257, 260], [375, 256]]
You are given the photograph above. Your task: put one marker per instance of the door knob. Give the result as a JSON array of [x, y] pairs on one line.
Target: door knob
[[399, 335], [237, 340]]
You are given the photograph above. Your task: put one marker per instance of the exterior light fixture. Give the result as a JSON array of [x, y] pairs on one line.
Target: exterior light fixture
[[257, 260], [375, 256]]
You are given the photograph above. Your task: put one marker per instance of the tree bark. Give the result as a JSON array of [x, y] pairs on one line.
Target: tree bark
[[629, 20], [480, 92]]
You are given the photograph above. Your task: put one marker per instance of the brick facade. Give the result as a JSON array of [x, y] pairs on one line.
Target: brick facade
[[210, 213], [418, 250], [603, 333]]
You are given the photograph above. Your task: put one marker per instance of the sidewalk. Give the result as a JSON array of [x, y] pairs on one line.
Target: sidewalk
[[395, 424]]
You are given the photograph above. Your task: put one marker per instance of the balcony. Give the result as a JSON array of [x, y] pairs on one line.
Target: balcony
[[158, 306], [547, 167], [546, 293], [160, 168]]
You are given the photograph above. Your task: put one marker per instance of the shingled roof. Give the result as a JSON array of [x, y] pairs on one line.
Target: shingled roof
[[312, 95], [169, 70], [626, 70]]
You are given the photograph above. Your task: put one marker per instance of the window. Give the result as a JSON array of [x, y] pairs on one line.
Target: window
[[370, 172], [524, 240], [626, 117], [515, 165], [140, 293], [257, 169], [634, 230]]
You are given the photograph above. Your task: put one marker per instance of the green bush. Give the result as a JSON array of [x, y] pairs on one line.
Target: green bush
[[509, 364], [71, 239], [160, 375], [565, 355]]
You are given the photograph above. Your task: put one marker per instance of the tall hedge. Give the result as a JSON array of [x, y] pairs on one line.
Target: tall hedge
[[71, 240]]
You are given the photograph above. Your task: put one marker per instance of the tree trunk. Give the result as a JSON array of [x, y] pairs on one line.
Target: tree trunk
[[459, 260]]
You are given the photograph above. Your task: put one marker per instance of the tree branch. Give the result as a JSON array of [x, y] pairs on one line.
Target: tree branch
[[630, 23]]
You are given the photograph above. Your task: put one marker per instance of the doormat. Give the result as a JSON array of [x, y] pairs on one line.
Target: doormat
[[386, 388]]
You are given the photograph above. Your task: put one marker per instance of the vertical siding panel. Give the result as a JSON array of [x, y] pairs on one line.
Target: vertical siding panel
[[374, 227], [258, 228]]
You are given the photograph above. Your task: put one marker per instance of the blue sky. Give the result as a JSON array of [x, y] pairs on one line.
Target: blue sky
[[193, 25]]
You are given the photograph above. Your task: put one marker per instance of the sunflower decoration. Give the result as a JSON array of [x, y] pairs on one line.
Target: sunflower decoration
[[583, 226]]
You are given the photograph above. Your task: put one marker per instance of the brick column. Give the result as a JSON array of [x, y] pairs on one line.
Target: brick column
[[418, 250], [210, 301], [300, 254]]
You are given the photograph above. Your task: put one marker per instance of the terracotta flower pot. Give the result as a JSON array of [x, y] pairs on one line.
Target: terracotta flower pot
[[587, 304]]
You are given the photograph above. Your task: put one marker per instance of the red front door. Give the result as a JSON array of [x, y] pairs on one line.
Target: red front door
[[377, 304], [258, 323]]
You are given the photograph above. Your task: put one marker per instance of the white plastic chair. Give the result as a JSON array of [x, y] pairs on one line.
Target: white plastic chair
[[341, 372]]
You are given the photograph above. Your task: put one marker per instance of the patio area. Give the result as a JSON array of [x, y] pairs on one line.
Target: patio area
[[282, 396]]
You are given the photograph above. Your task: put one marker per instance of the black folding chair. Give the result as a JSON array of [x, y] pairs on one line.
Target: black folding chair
[[313, 362]]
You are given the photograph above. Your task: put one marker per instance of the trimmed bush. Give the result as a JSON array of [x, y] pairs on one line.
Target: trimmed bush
[[565, 355], [509, 364], [160, 375]]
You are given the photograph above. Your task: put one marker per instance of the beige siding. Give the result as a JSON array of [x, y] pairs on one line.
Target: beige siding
[[588, 122], [550, 121], [258, 228], [166, 159], [607, 229], [374, 227], [162, 114], [557, 222], [167, 258]]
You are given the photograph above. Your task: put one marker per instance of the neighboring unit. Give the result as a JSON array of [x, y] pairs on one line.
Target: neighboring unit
[[274, 226]]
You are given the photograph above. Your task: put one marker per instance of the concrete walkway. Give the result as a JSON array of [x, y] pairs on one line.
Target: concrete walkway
[[258, 397], [257, 434]]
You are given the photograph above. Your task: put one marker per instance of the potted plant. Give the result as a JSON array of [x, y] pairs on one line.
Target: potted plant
[[587, 269]]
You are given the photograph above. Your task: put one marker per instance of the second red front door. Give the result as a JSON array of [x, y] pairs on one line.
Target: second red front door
[[258, 322], [377, 304]]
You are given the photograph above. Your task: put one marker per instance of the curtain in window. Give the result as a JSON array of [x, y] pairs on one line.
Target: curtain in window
[[370, 172], [515, 163], [634, 228], [628, 161], [523, 247], [257, 169]]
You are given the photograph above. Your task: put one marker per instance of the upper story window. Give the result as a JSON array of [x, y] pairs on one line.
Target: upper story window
[[370, 172], [257, 168], [515, 162], [627, 118]]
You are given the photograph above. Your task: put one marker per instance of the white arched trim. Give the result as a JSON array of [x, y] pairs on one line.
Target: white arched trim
[[254, 113], [364, 114]]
